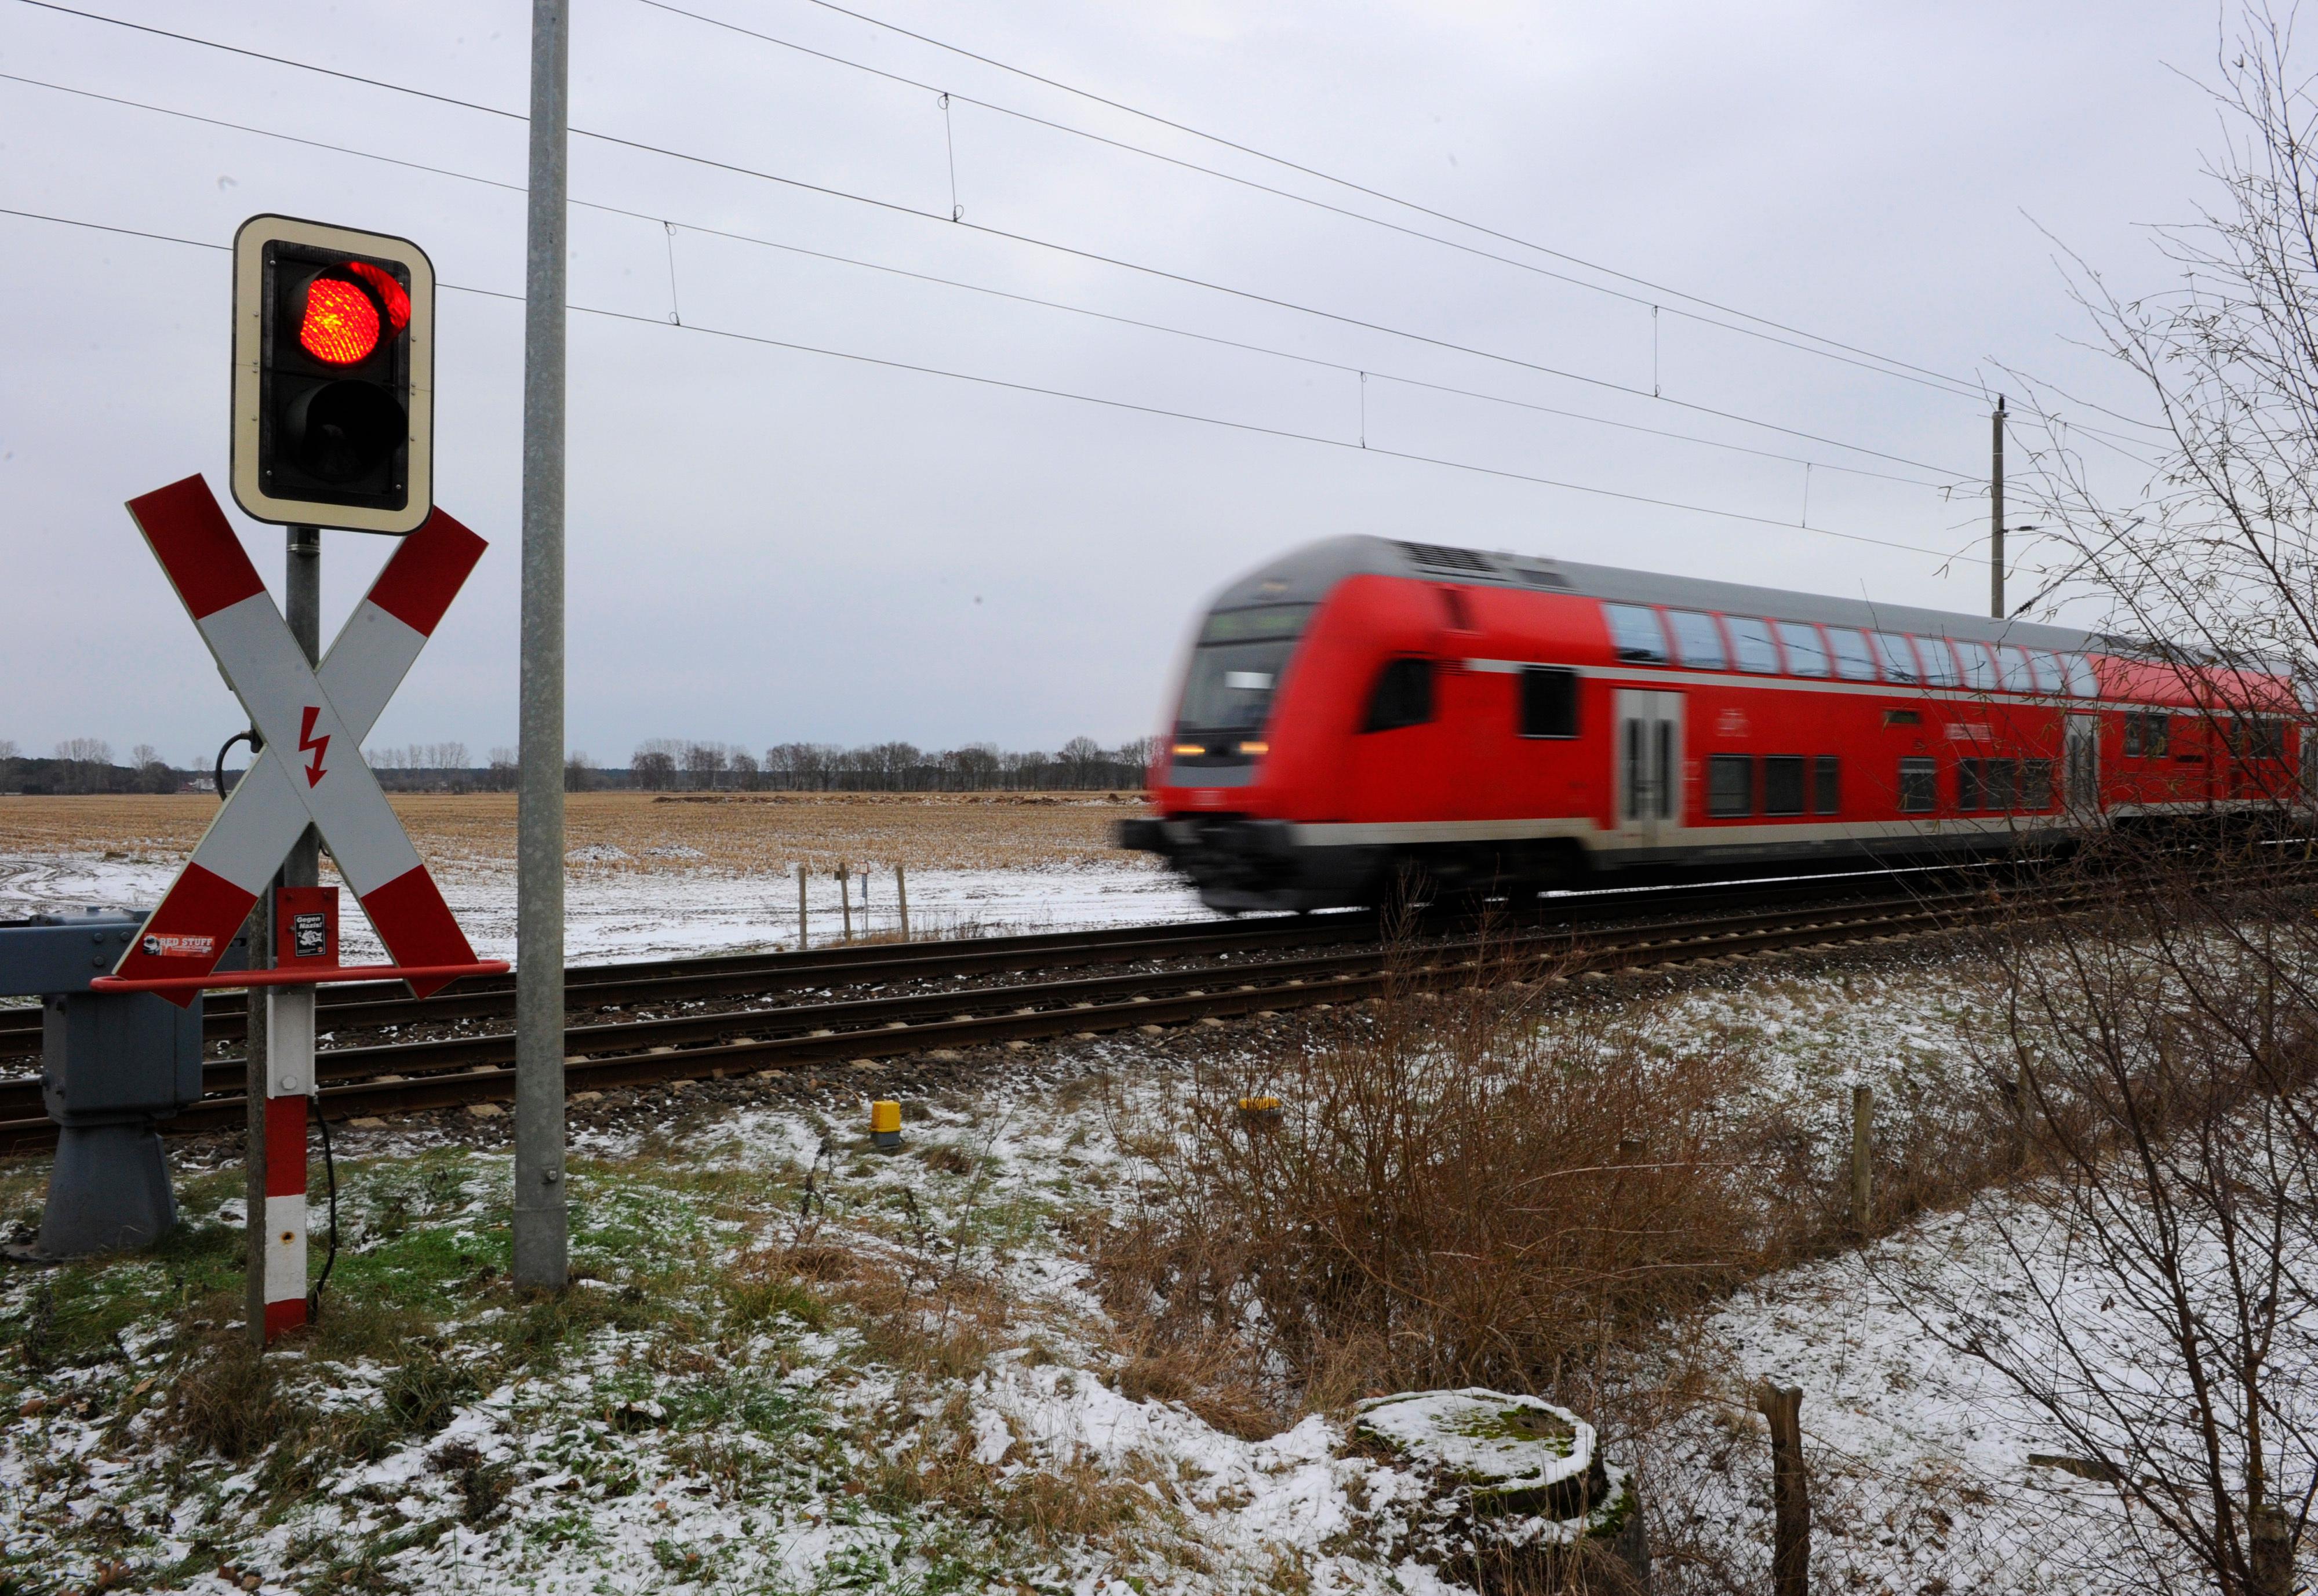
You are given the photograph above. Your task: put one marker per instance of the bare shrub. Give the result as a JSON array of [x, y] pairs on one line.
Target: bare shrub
[[2160, 1317], [1463, 1195]]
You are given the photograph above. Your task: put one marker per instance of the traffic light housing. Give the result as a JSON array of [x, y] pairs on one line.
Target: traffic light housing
[[333, 376]]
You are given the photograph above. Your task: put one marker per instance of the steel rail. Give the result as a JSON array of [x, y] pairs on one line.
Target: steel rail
[[369, 1006], [426, 1075]]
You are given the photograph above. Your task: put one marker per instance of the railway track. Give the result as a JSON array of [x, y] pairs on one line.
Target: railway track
[[1348, 965], [365, 1006]]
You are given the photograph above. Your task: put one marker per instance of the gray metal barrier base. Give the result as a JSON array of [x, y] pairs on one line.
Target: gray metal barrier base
[[108, 1192]]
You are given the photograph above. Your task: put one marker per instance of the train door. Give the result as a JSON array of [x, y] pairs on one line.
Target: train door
[[2081, 768], [1648, 755]]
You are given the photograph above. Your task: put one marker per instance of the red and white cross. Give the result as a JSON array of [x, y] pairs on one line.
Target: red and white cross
[[312, 719]]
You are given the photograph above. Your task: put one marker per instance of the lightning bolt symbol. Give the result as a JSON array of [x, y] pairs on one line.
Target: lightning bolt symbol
[[307, 739]]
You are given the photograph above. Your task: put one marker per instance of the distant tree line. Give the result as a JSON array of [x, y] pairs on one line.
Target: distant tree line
[[86, 765], [1079, 764]]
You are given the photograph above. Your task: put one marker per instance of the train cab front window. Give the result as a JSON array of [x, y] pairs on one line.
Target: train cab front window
[[1236, 667]]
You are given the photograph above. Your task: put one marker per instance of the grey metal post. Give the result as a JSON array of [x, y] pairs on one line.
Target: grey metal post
[[804, 937], [1996, 510], [542, 1227]]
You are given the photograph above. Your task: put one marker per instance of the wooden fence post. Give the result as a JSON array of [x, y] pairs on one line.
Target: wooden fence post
[[1863, 1158], [845, 898], [2015, 1099], [902, 893], [804, 941], [1790, 1491], [2273, 1551]]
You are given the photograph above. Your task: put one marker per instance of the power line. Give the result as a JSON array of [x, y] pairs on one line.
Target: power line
[[1114, 404], [1034, 242], [1970, 387], [1962, 387], [1278, 354], [1870, 363]]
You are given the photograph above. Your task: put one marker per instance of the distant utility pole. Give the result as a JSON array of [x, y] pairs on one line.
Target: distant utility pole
[[1996, 510], [542, 1224]]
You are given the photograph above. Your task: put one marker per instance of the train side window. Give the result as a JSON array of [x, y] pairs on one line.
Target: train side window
[[1635, 635], [1939, 663], [1919, 786], [1971, 784], [2082, 680], [2146, 731], [1750, 641], [1699, 639], [1548, 702], [1731, 784], [1899, 657], [1402, 696], [2014, 663], [1806, 653], [2047, 670], [2003, 783], [2036, 783], [1783, 783], [2256, 737], [1853, 662], [1827, 785], [1979, 667]]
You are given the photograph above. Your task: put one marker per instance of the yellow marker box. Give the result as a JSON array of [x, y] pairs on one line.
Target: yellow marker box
[[885, 1123]]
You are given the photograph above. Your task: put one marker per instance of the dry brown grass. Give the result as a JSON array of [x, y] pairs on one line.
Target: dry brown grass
[[1489, 1186], [752, 831]]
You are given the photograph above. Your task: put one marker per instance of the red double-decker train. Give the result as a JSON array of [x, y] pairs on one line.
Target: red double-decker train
[[1365, 707]]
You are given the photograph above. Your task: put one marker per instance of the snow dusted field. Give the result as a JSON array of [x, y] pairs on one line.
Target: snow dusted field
[[676, 907]]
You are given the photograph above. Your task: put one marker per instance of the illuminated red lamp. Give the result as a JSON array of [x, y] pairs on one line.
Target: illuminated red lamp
[[341, 324]]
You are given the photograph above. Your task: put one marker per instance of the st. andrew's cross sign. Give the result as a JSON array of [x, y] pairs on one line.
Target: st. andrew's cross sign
[[312, 719]]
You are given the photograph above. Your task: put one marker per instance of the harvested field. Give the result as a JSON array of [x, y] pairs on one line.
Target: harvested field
[[650, 831], [658, 873]]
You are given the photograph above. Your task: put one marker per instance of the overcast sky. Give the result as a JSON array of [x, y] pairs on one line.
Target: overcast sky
[[767, 545]]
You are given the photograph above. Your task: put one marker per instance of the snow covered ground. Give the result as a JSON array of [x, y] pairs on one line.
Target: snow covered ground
[[668, 908], [794, 1364]]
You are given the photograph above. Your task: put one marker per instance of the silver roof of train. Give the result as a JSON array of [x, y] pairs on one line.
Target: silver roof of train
[[1306, 574]]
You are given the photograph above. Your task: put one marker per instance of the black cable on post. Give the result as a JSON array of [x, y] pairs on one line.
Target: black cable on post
[[330, 1179], [256, 745]]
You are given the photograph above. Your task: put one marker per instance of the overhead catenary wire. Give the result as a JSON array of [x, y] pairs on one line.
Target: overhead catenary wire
[[670, 225], [1961, 386], [1877, 364], [1103, 401], [897, 208]]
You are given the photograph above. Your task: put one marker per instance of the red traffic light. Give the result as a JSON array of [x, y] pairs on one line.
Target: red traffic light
[[341, 323], [333, 344]]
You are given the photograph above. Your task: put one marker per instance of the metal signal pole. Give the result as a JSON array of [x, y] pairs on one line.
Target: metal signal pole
[[1996, 510], [542, 1227]]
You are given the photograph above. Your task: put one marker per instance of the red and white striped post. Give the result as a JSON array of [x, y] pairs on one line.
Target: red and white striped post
[[305, 937]]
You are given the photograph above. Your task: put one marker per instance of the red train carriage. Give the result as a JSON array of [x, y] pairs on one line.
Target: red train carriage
[[1364, 705]]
